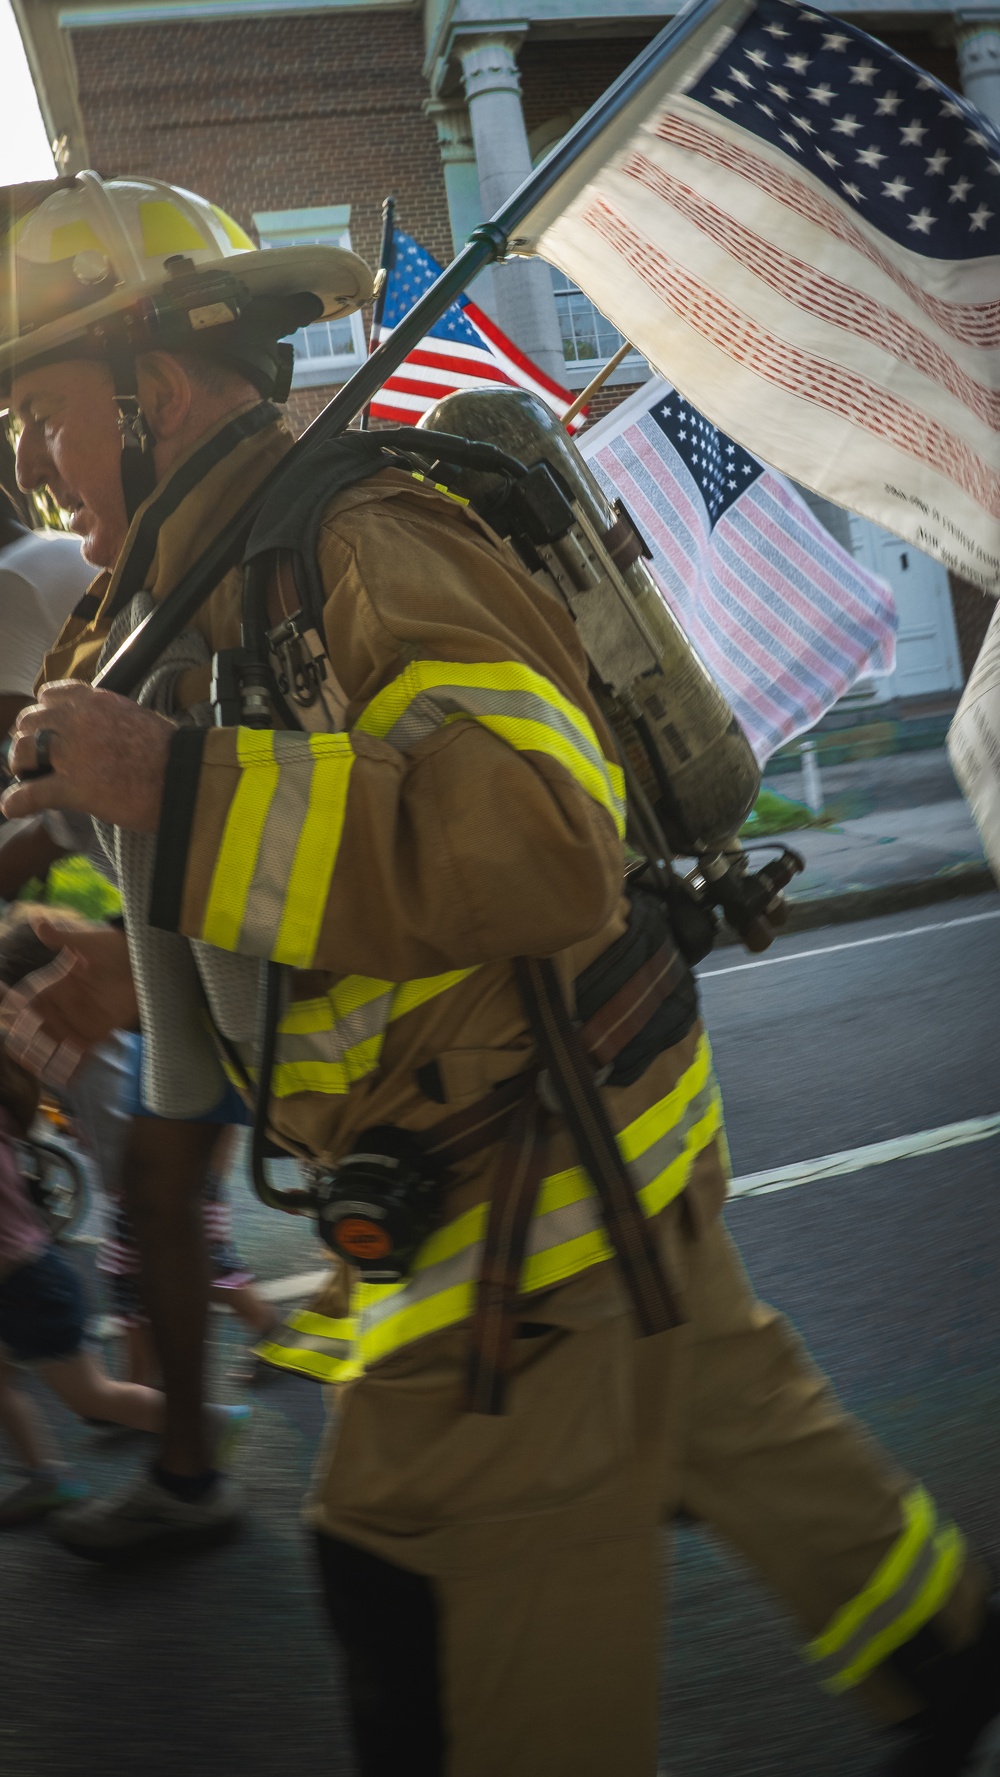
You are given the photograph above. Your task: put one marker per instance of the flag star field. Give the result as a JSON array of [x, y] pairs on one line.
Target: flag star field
[[802, 232], [904, 152], [464, 349], [722, 469]]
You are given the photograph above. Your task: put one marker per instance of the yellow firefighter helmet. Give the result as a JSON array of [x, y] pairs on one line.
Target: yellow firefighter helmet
[[86, 259]]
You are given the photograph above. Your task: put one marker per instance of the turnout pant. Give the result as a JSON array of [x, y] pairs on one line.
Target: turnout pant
[[495, 1583]]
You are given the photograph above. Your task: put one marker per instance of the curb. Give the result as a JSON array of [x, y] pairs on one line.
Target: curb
[[809, 913]]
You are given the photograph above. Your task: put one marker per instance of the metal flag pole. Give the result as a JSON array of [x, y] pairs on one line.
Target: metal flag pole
[[136, 658], [385, 258]]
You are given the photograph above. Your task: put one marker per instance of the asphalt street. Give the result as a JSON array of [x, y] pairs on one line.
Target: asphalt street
[[844, 1038]]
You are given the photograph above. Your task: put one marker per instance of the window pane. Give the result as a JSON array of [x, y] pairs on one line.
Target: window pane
[[325, 343], [587, 336], [325, 340]]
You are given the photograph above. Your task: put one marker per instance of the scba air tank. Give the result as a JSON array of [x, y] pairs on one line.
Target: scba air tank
[[674, 727]]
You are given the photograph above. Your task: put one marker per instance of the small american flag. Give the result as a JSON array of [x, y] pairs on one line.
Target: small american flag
[[464, 350], [783, 618], [801, 232]]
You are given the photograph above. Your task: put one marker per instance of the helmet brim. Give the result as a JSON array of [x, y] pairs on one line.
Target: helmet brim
[[337, 277]]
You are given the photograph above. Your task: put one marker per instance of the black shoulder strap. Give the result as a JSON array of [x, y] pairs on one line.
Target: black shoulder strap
[[290, 519]]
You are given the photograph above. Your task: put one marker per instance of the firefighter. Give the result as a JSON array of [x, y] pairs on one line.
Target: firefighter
[[428, 838]]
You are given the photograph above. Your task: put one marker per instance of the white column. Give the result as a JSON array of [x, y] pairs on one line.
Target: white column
[[977, 41], [526, 307], [461, 183]]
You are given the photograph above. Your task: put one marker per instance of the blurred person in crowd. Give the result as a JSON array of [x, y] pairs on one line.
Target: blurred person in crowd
[[43, 576], [43, 1315]]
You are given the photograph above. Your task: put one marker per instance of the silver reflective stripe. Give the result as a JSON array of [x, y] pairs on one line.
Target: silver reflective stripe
[[291, 1340], [428, 708], [359, 1026], [421, 717], [881, 1617], [648, 1165], [265, 901], [553, 1228]]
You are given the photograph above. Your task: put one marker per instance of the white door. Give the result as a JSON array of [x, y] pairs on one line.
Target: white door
[[927, 656]]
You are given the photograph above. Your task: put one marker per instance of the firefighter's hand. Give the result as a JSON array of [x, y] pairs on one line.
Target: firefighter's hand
[[108, 757], [53, 1018]]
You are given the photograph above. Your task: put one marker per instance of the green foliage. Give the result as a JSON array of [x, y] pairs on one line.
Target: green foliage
[[777, 814], [73, 882]]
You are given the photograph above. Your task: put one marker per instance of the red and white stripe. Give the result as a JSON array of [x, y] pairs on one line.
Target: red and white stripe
[[437, 367], [866, 370]]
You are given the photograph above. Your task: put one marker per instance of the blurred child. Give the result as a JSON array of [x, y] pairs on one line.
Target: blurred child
[[42, 1321], [103, 1097]]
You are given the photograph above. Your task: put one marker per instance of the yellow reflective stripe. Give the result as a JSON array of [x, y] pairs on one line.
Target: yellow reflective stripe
[[526, 736], [647, 1128], [389, 1316], [410, 995], [453, 1238], [306, 1320], [919, 1520], [308, 1017], [566, 1236], [604, 781], [389, 704], [444, 1309], [309, 1363], [237, 855], [949, 1548], [561, 1189], [330, 1077], [326, 1015], [845, 1646], [316, 851], [439, 488], [312, 1360], [669, 1184]]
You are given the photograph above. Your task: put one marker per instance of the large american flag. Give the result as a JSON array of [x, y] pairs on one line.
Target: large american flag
[[801, 231], [464, 350], [784, 619]]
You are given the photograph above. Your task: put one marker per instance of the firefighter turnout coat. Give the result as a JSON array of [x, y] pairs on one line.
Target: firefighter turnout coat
[[468, 810]]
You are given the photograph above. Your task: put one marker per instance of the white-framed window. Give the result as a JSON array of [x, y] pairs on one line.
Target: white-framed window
[[328, 351], [588, 338]]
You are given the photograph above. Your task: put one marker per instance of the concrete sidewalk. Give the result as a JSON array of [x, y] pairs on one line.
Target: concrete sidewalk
[[900, 835]]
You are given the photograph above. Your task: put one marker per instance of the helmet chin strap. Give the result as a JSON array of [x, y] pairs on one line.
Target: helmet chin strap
[[138, 466]]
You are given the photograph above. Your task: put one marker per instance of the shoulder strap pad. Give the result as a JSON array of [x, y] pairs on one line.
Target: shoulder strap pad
[[290, 519]]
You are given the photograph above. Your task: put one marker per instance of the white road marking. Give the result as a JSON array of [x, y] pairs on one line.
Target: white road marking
[[799, 956], [876, 1153]]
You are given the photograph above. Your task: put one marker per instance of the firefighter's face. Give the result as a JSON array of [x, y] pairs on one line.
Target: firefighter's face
[[70, 444]]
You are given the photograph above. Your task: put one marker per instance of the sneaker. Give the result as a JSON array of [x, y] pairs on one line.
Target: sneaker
[[36, 1496], [144, 1515], [228, 1427]]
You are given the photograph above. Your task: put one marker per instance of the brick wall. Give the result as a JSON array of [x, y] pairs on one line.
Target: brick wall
[[304, 405], [570, 74], [273, 114]]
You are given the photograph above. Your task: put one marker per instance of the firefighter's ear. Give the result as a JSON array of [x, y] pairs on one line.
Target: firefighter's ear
[[166, 392]]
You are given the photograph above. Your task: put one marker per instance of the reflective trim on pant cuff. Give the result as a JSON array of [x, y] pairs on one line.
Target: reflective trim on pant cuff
[[908, 1588]]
